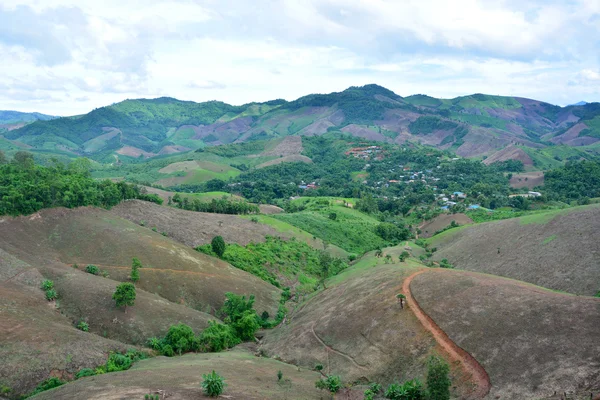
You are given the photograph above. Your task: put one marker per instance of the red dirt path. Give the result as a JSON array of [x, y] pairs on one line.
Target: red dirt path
[[455, 353]]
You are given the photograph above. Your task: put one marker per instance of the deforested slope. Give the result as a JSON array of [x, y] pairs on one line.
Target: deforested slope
[[94, 236], [531, 341], [355, 328], [246, 376], [559, 250]]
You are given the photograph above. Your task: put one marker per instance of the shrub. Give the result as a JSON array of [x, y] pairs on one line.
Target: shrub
[[167, 350], [154, 343], [319, 367], [375, 387], [279, 375], [332, 383], [403, 256], [135, 273], [47, 384], [92, 269], [438, 381], [83, 326], [181, 338], [118, 362], [410, 390], [213, 384], [47, 285], [51, 295], [124, 295], [247, 325], [218, 246], [369, 395], [218, 337], [85, 372]]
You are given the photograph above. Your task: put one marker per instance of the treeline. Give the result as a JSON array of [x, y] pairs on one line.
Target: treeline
[[575, 181], [219, 206], [26, 188]]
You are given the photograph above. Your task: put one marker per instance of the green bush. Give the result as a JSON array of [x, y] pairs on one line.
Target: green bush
[[218, 246], [92, 269], [118, 362], [410, 390], [51, 295], [47, 285], [47, 384], [218, 337], [369, 395], [279, 375], [438, 380], [332, 383], [85, 372], [181, 338], [83, 326], [213, 384]]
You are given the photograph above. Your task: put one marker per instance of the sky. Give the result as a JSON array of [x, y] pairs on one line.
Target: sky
[[67, 57]]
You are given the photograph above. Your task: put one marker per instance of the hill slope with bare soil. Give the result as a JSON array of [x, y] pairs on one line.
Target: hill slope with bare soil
[[95, 236], [558, 250], [356, 328], [531, 341]]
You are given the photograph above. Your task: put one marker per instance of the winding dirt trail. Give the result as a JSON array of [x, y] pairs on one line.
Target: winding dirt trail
[[331, 349], [468, 362]]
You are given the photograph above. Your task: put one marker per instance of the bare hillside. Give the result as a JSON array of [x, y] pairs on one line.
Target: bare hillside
[[559, 250], [531, 341]]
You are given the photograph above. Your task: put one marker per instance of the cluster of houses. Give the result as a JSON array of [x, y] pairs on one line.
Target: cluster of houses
[[528, 194], [303, 185], [364, 152]]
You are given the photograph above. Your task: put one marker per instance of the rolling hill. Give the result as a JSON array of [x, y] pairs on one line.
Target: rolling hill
[[472, 126], [557, 249]]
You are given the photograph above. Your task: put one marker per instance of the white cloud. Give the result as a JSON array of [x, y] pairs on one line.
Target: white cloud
[[86, 54]]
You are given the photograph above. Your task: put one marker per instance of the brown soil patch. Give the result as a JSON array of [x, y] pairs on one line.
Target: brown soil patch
[[561, 252], [527, 179], [134, 152], [532, 342], [247, 377], [193, 228], [289, 146], [269, 209], [364, 132], [429, 228], [468, 363], [292, 158], [365, 337], [509, 153], [173, 149]]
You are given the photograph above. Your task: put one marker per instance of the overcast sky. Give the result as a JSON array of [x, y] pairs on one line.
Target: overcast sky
[[66, 57]]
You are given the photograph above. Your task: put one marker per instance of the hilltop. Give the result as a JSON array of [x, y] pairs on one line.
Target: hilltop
[[472, 126]]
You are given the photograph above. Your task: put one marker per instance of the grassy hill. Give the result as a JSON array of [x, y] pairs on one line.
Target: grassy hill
[[555, 249], [532, 342], [473, 125]]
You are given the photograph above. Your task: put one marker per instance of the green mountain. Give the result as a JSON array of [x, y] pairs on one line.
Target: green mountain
[[472, 126]]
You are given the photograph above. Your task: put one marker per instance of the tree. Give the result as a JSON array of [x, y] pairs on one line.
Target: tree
[[3, 159], [401, 298], [124, 295], [324, 263], [403, 256], [332, 216], [135, 273], [218, 246], [438, 381], [23, 159], [333, 383], [213, 384], [388, 258]]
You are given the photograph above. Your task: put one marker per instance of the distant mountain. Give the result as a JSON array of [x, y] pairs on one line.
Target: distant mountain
[[579, 103], [10, 120], [472, 126]]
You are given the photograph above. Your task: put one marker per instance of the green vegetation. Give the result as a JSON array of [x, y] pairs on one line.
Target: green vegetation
[[92, 269], [213, 384], [331, 383], [135, 273], [549, 239], [574, 181], [438, 380], [83, 326], [26, 188], [218, 246], [220, 206], [410, 390], [47, 384], [275, 258], [48, 288], [124, 295], [429, 124]]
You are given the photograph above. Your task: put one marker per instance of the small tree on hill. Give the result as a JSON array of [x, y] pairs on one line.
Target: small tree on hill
[[438, 381], [124, 295], [324, 263], [401, 298], [403, 256], [135, 273], [213, 384], [218, 246]]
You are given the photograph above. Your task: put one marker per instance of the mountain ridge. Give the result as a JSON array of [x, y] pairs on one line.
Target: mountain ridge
[[472, 126]]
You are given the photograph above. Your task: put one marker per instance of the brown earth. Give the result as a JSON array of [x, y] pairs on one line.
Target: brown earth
[[509, 153], [173, 149], [172, 270], [356, 328], [193, 228], [527, 179], [557, 250], [178, 378], [269, 209], [364, 132], [134, 152], [429, 228], [532, 342], [289, 146], [38, 342], [292, 158]]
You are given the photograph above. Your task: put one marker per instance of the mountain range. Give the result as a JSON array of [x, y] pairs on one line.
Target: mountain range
[[476, 125]]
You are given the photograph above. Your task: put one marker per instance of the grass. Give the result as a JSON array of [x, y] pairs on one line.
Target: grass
[[352, 230], [549, 239]]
